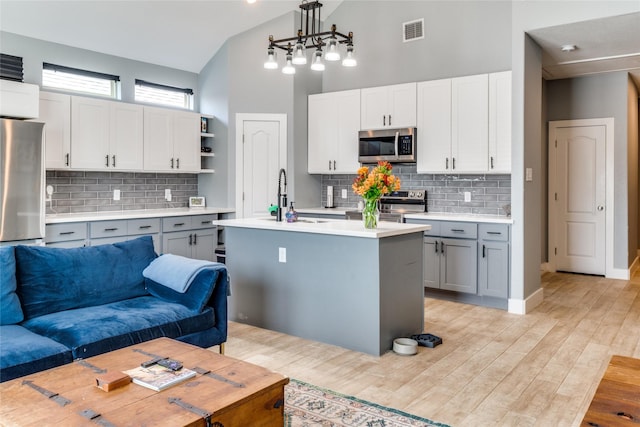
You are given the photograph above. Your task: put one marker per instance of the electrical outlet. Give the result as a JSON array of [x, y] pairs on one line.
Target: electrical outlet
[[467, 196], [282, 254], [116, 194], [167, 194], [344, 193]]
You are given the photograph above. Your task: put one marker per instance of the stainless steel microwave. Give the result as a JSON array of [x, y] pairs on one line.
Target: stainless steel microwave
[[392, 145]]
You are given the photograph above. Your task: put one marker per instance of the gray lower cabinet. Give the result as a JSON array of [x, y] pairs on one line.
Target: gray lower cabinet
[[67, 235], [450, 262], [471, 259], [493, 260], [190, 236], [113, 231]]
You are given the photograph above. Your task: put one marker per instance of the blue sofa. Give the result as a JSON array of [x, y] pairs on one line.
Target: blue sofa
[[58, 305]]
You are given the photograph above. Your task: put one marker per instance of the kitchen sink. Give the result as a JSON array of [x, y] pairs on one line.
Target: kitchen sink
[[305, 220]]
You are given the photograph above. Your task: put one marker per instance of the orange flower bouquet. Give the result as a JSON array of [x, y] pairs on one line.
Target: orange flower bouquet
[[372, 184]]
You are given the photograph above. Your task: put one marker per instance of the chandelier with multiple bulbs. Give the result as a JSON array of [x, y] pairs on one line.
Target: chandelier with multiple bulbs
[[325, 43]]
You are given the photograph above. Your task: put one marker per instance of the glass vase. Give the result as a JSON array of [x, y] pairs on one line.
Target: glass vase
[[370, 213]]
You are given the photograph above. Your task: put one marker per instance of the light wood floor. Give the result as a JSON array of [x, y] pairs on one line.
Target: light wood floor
[[493, 369]]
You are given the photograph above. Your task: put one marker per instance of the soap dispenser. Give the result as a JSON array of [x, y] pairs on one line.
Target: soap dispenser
[[291, 215]]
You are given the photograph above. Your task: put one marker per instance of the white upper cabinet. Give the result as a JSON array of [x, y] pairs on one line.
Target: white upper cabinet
[[388, 107], [500, 122], [456, 121], [433, 135], [171, 140], [470, 123], [55, 112], [105, 135], [333, 124]]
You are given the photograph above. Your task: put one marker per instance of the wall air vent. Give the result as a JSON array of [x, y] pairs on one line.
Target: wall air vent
[[11, 67], [413, 30]]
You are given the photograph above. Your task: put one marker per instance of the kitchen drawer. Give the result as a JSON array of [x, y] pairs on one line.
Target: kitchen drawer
[[65, 232], [497, 232], [176, 223], [463, 230], [143, 226], [100, 229], [435, 228], [203, 221]]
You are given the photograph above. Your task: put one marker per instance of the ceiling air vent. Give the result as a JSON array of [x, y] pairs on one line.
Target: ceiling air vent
[[413, 30]]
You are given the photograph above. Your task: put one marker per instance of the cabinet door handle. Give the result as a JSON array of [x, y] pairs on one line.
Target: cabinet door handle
[[483, 251], [457, 230], [389, 119], [441, 247], [491, 162], [446, 163], [334, 165], [178, 224], [190, 239], [66, 233], [195, 239], [205, 222], [172, 163], [178, 163], [113, 160], [494, 232], [329, 164], [453, 161], [106, 160], [144, 227], [66, 161], [436, 247], [384, 120], [111, 229]]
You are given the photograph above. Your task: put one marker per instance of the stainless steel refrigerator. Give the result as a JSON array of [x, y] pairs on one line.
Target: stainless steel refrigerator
[[22, 175]]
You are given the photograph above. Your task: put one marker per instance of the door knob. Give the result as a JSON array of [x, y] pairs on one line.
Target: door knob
[[600, 208]]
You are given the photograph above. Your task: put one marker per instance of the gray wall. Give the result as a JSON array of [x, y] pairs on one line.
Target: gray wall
[[461, 38], [599, 96], [34, 52], [234, 81]]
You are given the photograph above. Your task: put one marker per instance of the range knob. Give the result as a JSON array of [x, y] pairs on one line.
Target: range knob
[[411, 193]]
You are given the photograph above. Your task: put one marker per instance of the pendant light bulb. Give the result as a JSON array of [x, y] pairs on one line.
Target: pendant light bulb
[[271, 63], [349, 60], [289, 68], [300, 54], [332, 53], [317, 64]]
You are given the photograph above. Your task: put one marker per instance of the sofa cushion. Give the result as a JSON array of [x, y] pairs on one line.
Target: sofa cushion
[[22, 352], [94, 330], [10, 310], [196, 296], [56, 279]]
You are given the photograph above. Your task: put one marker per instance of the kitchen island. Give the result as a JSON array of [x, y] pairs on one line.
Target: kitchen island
[[327, 280]]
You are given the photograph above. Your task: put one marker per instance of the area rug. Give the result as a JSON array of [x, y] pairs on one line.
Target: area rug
[[307, 405]]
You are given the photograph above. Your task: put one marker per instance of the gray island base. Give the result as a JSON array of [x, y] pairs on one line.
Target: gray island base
[[331, 281]]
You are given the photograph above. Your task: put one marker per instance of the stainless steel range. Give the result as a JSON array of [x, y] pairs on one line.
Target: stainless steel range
[[394, 206]]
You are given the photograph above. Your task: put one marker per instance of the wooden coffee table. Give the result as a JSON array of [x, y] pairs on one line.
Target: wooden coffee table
[[233, 393]]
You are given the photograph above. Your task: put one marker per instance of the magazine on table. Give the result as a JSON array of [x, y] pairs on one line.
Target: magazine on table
[[158, 377]]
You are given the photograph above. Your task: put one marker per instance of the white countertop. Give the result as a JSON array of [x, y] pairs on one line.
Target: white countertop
[[133, 214], [336, 227], [436, 216]]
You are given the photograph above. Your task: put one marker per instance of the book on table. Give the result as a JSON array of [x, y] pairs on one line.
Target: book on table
[[158, 377]]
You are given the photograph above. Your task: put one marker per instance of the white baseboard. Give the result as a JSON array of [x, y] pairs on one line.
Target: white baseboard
[[619, 273], [518, 306], [545, 266]]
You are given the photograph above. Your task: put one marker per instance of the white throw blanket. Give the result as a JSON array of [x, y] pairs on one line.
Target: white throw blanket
[[175, 271]]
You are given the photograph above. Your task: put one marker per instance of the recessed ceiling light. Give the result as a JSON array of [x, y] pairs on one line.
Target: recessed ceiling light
[[568, 47], [251, 1]]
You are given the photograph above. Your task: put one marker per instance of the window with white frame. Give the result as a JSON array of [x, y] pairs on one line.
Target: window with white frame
[[170, 96], [82, 81]]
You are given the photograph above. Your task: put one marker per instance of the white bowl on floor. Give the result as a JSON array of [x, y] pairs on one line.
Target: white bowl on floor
[[405, 346]]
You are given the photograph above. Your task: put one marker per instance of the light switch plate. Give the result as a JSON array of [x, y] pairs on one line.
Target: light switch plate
[[282, 254], [116, 194], [344, 193], [467, 196], [167, 194], [528, 174]]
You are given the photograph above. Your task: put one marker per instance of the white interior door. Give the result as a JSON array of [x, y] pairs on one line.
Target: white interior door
[[261, 153], [578, 202]]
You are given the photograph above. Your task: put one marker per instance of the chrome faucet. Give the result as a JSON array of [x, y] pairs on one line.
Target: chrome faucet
[[282, 196]]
